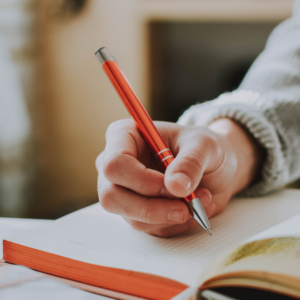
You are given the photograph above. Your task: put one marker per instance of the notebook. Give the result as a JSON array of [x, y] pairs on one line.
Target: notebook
[[98, 250]]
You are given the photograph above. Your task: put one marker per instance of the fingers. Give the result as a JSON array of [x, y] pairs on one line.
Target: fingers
[[198, 154], [118, 200], [128, 185], [120, 162], [122, 137], [127, 171], [167, 230], [170, 231], [206, 200], [164, 231], [150, 215], [124, 202], [146, 227]]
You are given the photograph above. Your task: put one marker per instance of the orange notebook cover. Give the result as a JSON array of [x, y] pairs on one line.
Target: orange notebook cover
[[101, 250]]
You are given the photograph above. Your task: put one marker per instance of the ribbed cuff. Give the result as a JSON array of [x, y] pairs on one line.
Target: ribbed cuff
[[247, 108]]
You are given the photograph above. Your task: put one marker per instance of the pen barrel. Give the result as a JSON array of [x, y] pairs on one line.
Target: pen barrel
[[140, 116], [138, 112]]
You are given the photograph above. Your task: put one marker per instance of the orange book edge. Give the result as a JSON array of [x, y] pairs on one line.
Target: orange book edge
[[128, 282]]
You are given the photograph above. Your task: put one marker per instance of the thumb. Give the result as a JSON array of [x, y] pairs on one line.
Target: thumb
[[184, 174]]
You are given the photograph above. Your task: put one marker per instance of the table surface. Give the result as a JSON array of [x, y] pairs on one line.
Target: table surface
[[40, 288]]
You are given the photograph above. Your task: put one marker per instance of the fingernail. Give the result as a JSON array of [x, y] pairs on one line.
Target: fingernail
[[205, 199], [182, 179], [175, 215]]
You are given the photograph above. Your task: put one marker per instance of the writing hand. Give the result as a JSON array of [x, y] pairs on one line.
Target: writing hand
[[215, 162]]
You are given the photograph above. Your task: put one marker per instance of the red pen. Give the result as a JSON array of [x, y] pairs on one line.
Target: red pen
[[146, 127]]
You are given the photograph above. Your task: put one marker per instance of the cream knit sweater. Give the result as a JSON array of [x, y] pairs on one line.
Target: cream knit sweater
[[267, 103]]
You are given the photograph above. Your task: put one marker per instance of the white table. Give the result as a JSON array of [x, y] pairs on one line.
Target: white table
[[40, 286]]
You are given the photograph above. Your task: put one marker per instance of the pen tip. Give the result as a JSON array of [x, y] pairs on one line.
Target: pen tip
[[208, 230]]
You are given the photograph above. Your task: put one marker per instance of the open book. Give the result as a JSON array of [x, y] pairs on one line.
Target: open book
[[101, 253]]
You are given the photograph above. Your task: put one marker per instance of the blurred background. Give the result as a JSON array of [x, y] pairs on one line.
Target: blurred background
[[56, 103]]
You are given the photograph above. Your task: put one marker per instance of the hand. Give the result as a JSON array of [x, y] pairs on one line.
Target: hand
[[215, 162]]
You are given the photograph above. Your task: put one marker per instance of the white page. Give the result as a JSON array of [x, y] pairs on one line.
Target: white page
[[94, 236], [11, 226], [11, 275], [289, 228]]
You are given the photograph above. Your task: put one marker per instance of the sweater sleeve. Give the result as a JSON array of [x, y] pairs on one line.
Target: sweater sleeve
[[267, 103]]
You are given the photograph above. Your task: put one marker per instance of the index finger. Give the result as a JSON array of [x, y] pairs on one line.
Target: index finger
[[125, 149], [123, 137]]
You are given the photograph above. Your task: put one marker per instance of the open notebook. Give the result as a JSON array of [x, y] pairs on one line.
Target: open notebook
[[96, 248]]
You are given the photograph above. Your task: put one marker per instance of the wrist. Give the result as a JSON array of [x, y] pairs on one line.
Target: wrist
[[248, 152]]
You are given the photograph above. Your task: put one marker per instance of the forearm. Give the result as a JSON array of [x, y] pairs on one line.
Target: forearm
[[275, 76], [267, 104]]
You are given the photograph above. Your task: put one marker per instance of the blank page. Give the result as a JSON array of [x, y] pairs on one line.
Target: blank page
[[94, 236], [288, 228]]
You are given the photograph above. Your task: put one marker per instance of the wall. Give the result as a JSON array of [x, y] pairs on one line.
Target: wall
[[76, 103]]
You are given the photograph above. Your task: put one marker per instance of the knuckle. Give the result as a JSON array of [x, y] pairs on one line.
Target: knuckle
[[98, 161], [145, 186], [149, 213], [106, 198], [110, 166], [210, 144], [194, 159], [137, 225], [117, 125], [217, 155], [142, 186], [114, 125]]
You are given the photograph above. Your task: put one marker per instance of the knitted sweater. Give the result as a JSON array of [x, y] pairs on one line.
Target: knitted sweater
[[267, 103]]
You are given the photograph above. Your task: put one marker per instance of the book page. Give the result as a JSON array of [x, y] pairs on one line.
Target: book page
[[94, 236], [270, 260], [288, 228], [11, 275], [11, 226], [276, 250]]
